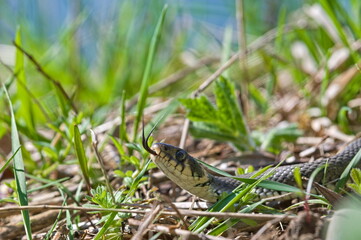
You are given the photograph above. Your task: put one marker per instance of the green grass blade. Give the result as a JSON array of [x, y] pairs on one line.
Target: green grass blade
[[58, 218], [63, 98], [105, 227], [118, 146], [272, 142], [355, 9], [228, 202], [356, 178], [333, 17], [57, 183], [342, 118], [26, 107], [69, 225], [346, 172], [225, 225], [310, 201], [19, 170], [123, 127], [133, 188], [258, 98], [214, 169], [298, 177], [202, 222], [146, 76], [332, 14], [80, 153], [8, 161], [248, 188], [272, 185], [235, 197], [282, 20], [226, 47], [349, 20], [52, 183]]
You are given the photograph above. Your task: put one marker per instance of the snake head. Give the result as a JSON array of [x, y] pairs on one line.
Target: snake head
[[171, 152], [176, 161], [181, 168], [184, 170]]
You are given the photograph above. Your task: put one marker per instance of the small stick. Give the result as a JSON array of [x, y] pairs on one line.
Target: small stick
[[101, 163], [222, 215], [142, 230]]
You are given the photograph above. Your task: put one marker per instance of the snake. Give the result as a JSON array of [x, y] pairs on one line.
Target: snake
[[184, 170]]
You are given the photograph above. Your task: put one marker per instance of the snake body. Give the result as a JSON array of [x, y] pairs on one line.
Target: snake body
[[186, 172]]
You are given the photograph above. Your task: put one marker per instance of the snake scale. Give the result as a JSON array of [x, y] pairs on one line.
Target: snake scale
[[187, 173]]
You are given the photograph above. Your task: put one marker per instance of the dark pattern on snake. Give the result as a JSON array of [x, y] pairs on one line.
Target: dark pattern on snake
[[185, 171]]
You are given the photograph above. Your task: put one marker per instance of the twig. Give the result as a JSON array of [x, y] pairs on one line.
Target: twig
[[222, 215], [13, 230], [184, 133], [184, 233], [142, 230], [167, 200], [101, 163], [47, 76], [179, 205], [266, 226]]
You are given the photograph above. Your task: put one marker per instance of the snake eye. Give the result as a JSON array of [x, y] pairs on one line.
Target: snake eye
[[180, 155]]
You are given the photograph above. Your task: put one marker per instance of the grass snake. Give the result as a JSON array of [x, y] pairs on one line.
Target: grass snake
[[189, 174]]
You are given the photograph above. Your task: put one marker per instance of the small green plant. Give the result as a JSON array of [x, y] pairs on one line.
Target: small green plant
[[223, 121], [356, 179], [102, 198], [226, 122], [342, 118], [273, 139], [112, 221]]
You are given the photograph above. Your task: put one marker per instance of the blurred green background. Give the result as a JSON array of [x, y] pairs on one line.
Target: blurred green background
[[100, 47]]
